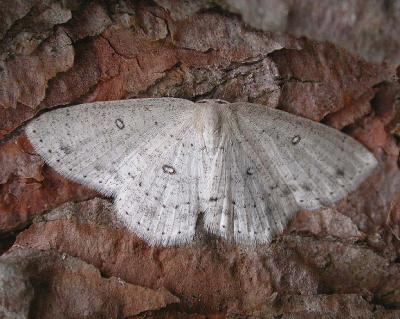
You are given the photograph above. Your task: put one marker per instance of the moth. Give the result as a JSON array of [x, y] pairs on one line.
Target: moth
[[245, 167]]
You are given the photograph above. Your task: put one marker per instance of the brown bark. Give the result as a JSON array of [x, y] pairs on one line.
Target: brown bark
[[341, 262]]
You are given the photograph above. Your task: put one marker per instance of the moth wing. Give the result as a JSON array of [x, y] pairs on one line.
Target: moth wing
[[159, 199], [88, 142], [271, 164], [320, 164]]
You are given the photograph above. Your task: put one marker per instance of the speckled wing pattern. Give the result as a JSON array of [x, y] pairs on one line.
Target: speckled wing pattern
[[275, 163], [247, 167]]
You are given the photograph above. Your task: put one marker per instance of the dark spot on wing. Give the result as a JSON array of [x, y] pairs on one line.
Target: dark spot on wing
[[250, 171], [120, 124], [66, 149], [213, 199], [339, 172], [168, 169], [296, 139]]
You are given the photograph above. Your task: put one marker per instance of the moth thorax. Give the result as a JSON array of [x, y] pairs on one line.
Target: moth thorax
[[212, 124]]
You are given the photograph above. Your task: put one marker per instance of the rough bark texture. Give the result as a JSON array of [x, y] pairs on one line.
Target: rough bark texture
[[62, 249]]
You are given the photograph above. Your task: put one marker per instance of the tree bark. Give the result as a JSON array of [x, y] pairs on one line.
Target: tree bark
[[64, 256]]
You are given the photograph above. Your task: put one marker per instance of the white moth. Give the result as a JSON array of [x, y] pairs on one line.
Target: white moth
[[247, 167]]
